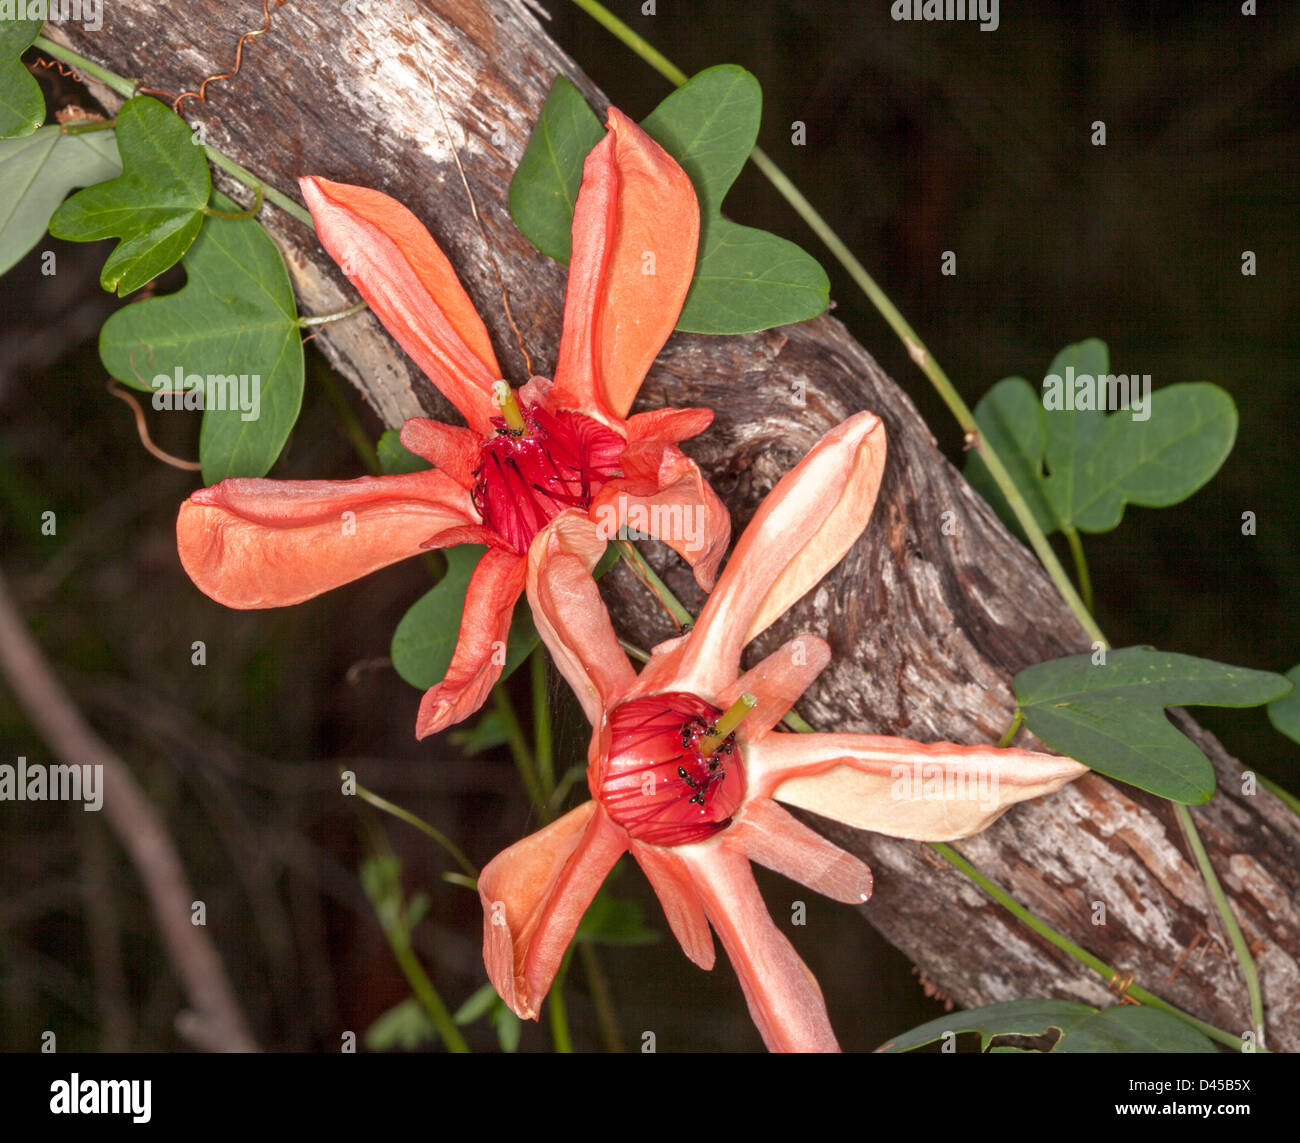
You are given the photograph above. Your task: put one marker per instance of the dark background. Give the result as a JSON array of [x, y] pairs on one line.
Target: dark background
[[921, 138]]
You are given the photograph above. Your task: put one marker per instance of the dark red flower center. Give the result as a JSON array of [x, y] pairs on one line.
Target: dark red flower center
[[527, 478], [657, 782]]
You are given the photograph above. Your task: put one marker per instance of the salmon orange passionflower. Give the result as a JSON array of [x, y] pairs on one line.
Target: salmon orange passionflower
[[686, 767], [527, 455]]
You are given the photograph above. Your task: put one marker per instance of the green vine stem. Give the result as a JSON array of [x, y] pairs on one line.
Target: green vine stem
[[128, 89], [556, 1009], [325, 319], [87, 126], [1099, 966], [1080, 564], [253, 211], [629, 554], [519, 748], [453, 850], [1235, 935], [1010, 734], [542, 746]]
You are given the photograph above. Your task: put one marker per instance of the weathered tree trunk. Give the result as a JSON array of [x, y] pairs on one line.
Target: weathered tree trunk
[[927, 628]]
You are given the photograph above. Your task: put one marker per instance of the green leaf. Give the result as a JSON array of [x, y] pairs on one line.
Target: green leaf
[[36, 174], [22, 106], [406, 1025], [614, 921], [489, 731], [745, 279], [395, 458], [1080, 467], [508, 1026], [1111, 717], [235, 317], [1062, 1027], [1284, 712], [545, 184], [426, 637], [155, 206], [1010, 417], [478, 1004]]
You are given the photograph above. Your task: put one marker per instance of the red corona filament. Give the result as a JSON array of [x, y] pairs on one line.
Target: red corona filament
[[659, 780], [526, 477]]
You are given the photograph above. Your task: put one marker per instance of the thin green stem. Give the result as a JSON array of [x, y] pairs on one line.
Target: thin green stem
[[637, 562], [424, 991], [1235, 935], [556, 1009], [542, 723], [128, 89], [1080, 564], [1279, 792], [351, 426], [601, 997], [1010, 734], [1099, 966], [915, 346], [523, 755], [325, 319], [453, 850], [634, 651], [259, 197]]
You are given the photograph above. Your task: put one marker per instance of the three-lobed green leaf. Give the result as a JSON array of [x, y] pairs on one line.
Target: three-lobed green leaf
[[745, 279], [1109, 713], [1062, 1027], [22, 106], [36, 174], [1079, 467], [155, 206], [235, 316]]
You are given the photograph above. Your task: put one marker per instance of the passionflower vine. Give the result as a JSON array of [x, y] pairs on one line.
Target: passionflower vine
[[527, 455], [686, 767]]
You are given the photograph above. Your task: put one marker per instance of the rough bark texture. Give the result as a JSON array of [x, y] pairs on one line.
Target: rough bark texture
[[928, 624]]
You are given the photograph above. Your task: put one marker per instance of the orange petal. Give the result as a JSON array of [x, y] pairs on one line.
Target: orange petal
[[777, 682], [393, 261], [671, 426], [671, 502], [570, 615], [766, 833], [671, 880], [447, 447], [534, 895], [479, 657], [636, 226], [801, 530], [269, 543], [784, 998], [929, 792]]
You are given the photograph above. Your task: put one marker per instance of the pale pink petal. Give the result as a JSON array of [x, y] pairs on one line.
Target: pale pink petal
[[784, 999], [671, 502], [766, 833], [570, 615], [476, 663], [777, 682], [407, 281], [635, 229], [671, 880], [534, 895], [929, 792], [450, 448], [269, 543]]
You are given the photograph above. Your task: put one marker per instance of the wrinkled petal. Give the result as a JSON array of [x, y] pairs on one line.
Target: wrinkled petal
[[670, 878], [450, 448], [476, 663], [664, 495], [395, 264], [270, 543], [802, 529], [777, 682], [636, 226], [534, 895], [784, 999], [570, 615], [778, 841], [670, 426], [928, 792]]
